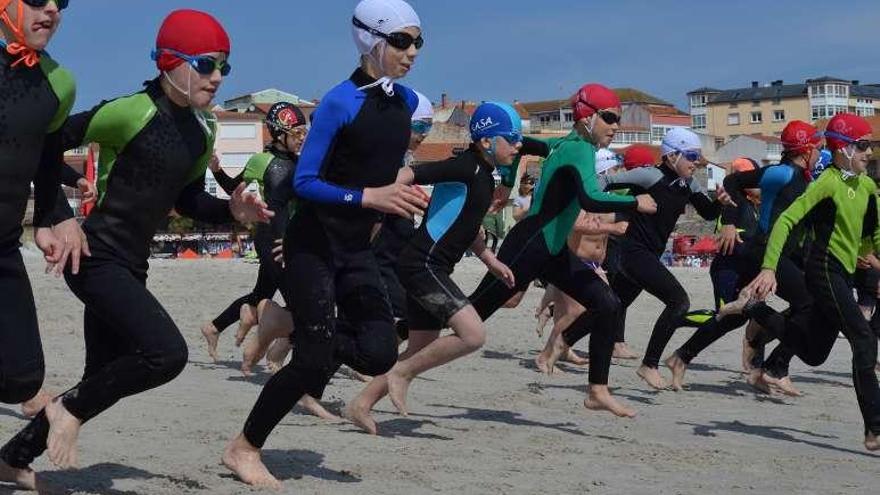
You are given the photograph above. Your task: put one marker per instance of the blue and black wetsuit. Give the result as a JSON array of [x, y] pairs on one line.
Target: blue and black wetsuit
[[277, 169], [462, 195], [537, 246], [358, 140], [644, 242], [153, 158], [34, 101], [780, 185]]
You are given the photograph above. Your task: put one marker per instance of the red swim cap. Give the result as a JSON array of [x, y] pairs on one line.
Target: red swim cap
[[190, 32], [798, 136], [845, 125], [596, 95], [638, 155]]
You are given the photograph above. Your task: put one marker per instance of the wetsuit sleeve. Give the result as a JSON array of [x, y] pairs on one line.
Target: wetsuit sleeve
[[708, 208], [278, 195], [330, 117], [452, 170], [643, 178], [69, 176], [789, 218], [735, 185], [227, 183], [871, 229], [197, 204], [590, 195], [50, 202]]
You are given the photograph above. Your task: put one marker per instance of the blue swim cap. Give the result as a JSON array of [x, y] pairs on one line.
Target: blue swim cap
[[495, 119]]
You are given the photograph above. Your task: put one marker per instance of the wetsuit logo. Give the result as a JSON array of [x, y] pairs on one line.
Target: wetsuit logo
[[349, 198]]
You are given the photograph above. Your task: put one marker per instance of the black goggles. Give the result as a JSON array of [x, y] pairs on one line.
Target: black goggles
[[397, 39], [862, 144], [608, 117], [62, 4]]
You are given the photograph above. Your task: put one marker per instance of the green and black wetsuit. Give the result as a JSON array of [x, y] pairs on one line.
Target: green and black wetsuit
[[537, 245], [34, 101], [153, 158], [840, 211]]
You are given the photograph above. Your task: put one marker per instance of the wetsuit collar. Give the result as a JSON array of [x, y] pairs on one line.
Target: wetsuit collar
[[284, 155], [163, 102], [361, 78]]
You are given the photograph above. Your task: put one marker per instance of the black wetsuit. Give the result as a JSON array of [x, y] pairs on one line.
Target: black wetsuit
[[463, 188], [153, 158], [277, 194], [644, 242], [34, 102], [537, 246], [395, 232], [780, 186], [358, 140]]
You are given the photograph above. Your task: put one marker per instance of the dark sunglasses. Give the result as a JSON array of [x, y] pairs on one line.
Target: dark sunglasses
[[862, 144], [62, 4], [202, 64], [690, 155], [513, 138], [399, 40], [609, 118]]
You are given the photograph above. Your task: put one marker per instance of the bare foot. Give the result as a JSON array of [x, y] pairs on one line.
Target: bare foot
[[871, 442], [33, 407], [541, 364], [277, 353], [652, 377], [315, 408], [558, 349], [212, 338], [358, 412], [243, 459], [573, 358], [254, 350], [599, 399], [784, 385], [678, 367], [736, 307], [63, 433], [25, 479], [397, 389], [756, 380], [247, 318], [621, 351]]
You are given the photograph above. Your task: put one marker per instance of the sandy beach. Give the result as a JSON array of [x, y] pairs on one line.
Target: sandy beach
[[488, 423]]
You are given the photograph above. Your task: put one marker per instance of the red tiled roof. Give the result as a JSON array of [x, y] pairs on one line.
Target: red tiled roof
[[680, 120]]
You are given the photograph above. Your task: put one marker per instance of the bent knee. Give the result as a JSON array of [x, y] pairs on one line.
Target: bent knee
[[474, 340]]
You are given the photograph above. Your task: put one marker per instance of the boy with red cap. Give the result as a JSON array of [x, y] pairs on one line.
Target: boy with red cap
[[537, 245], [155, 146], [842, 208], [779, 185]]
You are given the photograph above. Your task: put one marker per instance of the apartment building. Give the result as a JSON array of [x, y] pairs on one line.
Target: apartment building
[[765, 109]]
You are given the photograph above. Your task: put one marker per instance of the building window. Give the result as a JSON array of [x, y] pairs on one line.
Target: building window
[[777, 101], [757, 117], [756, 103], [238, 131], [699, 101], [698, 121], [826, 111], [719, 142], [569, 117], [733, 105], [733, 119], [778, 115], [865, 112], [235, 160]]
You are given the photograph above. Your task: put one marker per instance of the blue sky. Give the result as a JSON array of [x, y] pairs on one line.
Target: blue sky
[[492, 49]]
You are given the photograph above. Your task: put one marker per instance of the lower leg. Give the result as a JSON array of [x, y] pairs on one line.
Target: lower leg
[[275, 323], [469, 335]]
